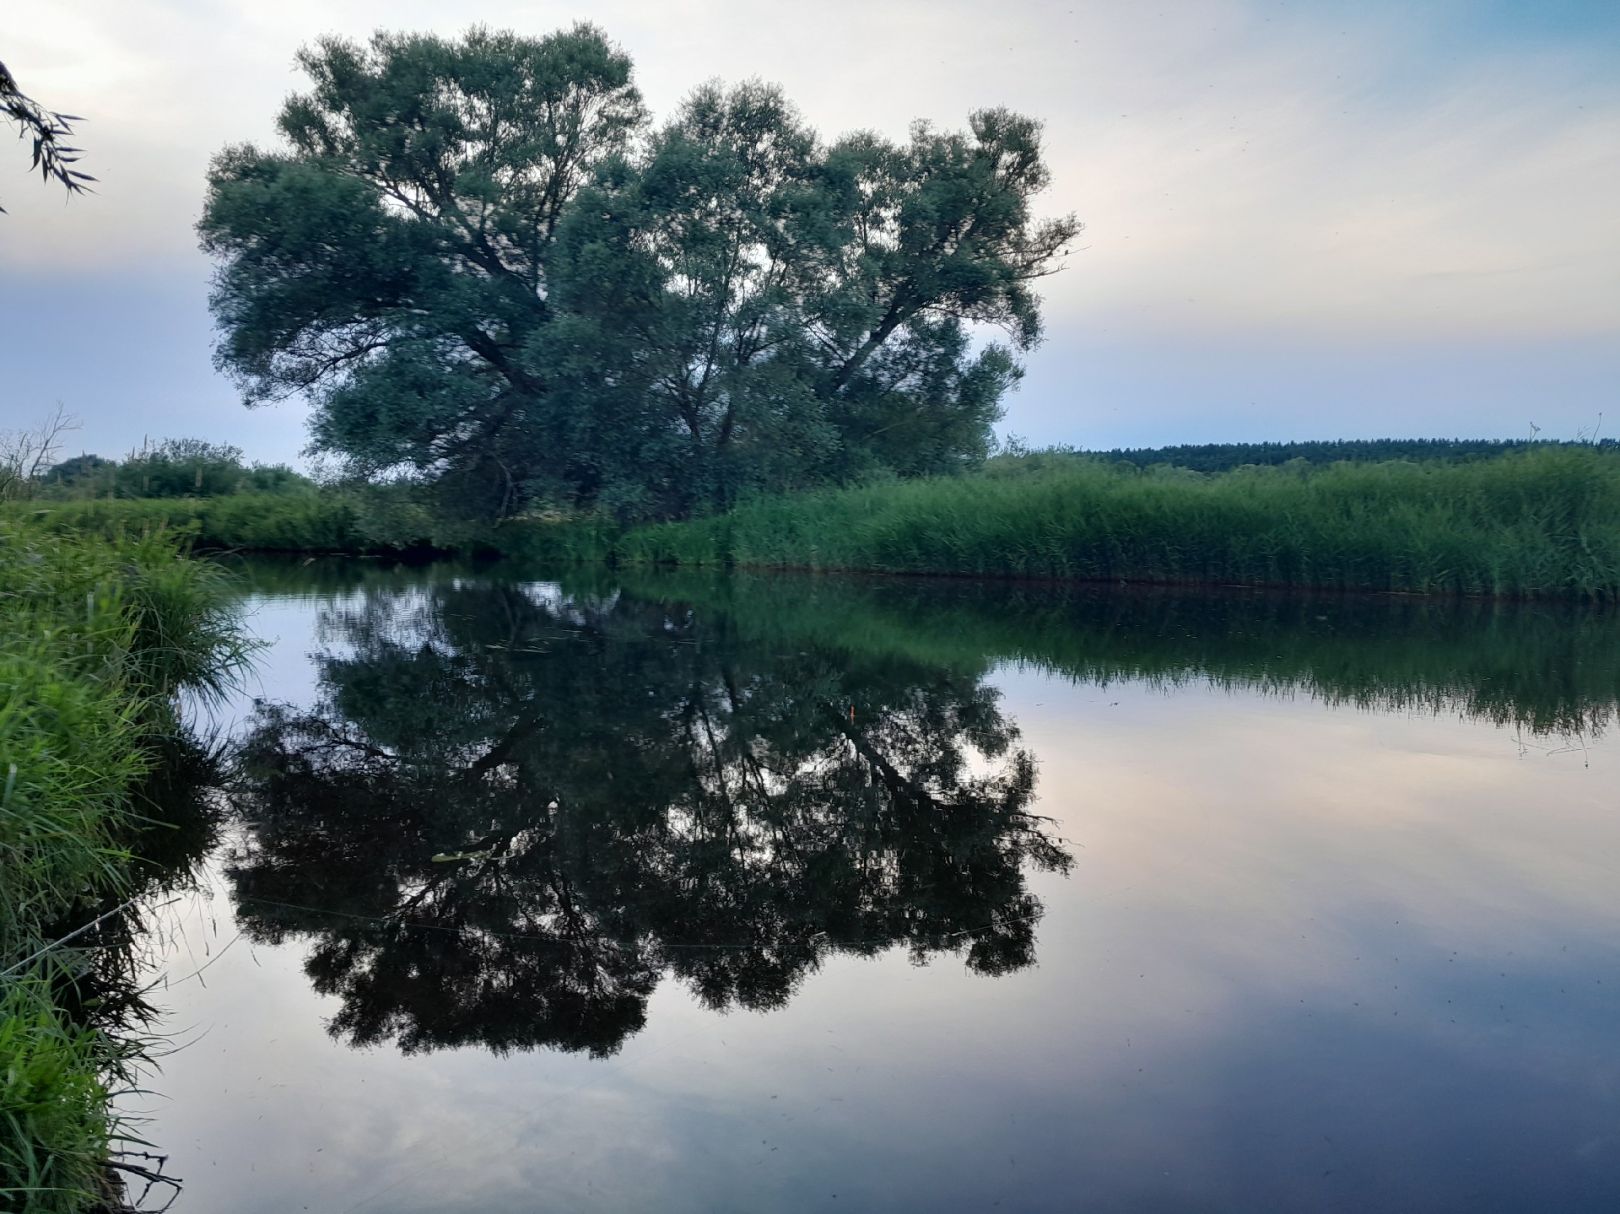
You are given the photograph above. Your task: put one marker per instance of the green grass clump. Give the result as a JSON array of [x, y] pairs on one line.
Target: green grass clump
[[1537, 523], [55, 1136], [67, 746], [97, 636]]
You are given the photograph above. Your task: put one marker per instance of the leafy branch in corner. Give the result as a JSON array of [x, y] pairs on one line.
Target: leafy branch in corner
[[52, 157]]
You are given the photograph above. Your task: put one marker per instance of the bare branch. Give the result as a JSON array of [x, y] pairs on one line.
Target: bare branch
[[26, 455]]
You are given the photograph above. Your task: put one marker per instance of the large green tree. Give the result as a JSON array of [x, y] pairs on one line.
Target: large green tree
[[485, 266]]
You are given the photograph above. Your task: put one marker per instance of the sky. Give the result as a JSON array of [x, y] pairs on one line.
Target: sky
[[1302, 220]]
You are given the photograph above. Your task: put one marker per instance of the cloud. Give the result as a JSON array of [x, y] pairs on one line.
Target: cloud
[[1250, 172], [1238, 165]]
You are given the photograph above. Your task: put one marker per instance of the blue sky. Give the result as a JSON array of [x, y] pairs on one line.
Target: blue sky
[[1303, 220], [1511, 21]]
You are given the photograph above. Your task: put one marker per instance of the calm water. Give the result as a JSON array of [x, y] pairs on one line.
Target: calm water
[[692, 894]]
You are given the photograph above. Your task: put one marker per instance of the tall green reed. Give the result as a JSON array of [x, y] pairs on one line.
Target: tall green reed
[[1540, 523]]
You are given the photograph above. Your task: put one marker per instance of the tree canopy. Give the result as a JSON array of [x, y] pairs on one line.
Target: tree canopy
[[488, 268]]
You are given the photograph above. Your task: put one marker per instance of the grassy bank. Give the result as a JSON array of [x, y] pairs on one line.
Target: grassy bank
[[97, 637], [1543, 522], [1538, 523], [305, 522], [330, 521]]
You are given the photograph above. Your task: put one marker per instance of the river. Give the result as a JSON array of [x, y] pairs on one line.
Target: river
[[578, 891]]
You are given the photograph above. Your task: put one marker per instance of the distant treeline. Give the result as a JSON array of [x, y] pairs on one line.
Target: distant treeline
[[175, 467], [1222, 457]]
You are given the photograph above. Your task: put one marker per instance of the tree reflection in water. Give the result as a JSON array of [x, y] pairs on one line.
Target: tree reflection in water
[[511, 812]]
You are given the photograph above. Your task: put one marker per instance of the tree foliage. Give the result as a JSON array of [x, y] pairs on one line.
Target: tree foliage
[[47, 130], [488, 268]]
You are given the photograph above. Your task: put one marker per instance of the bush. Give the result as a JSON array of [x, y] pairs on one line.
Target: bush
[[174, 468]]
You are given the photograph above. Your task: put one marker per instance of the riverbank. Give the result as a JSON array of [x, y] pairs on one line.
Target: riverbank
[[1541, 523], [97, 639], [324, 522], [316, 522]]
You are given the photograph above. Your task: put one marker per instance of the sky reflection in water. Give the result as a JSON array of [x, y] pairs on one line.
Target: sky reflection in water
[[1292, 904]]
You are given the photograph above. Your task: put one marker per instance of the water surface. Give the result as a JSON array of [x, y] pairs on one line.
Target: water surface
[[580, 892]]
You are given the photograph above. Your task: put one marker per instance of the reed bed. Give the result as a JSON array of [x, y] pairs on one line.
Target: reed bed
[[1532, 524]]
